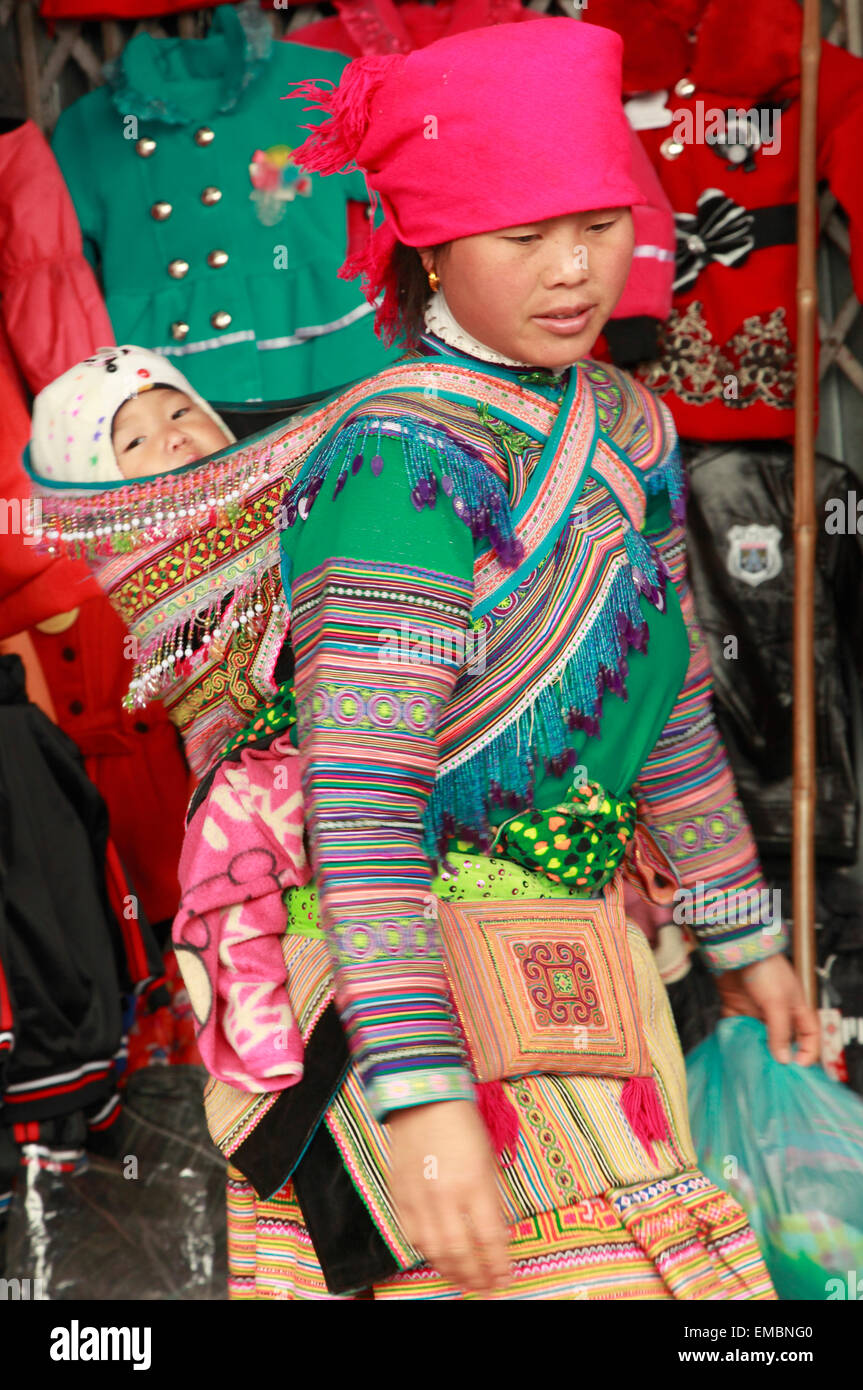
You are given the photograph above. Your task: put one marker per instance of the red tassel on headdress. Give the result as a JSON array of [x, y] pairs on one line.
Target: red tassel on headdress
[[332, 148], [499, 1115], [643, 1109], [375, 265], [333, 145]]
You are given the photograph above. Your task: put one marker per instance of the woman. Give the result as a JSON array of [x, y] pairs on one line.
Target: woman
[[470, 555]]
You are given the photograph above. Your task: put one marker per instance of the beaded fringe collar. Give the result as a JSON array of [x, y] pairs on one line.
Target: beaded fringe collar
[[184, 556]]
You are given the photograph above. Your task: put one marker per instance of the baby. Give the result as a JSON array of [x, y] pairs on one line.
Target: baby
[[160, 429], [126, 414], [122, 413]]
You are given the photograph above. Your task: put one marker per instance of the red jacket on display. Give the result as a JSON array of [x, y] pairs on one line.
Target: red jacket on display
[[114, 9], [33, 586], [51, 305], [726, 363]]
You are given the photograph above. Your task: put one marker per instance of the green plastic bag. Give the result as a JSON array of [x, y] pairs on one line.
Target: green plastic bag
[[787, 1142]]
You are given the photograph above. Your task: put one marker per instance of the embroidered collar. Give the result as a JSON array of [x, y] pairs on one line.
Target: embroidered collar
[[183, 80], [443, 328]]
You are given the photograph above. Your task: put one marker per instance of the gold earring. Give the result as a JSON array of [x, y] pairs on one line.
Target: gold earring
[[434, 281]]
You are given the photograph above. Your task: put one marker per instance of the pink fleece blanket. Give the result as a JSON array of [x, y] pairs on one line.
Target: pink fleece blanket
[[243, 849]]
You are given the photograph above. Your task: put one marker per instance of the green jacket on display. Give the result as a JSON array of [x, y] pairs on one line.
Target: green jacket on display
[[214, 248]]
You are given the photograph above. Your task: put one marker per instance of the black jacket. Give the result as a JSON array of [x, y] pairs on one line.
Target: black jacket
[[65, 959], [740, 543]]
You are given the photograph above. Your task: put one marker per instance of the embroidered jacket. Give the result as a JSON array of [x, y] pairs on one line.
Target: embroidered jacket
[[488, 589]]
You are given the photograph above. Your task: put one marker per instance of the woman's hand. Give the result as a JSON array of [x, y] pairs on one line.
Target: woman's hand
[[648, 916], [771, 991], [444, 1186]]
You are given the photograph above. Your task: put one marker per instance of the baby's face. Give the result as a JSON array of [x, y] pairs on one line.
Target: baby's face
[[160, 430]]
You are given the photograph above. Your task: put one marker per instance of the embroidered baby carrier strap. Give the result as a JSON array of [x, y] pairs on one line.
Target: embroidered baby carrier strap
[[190, 559], [445, 413], [637, 457], [606, 425], [181, 554], [464, 414], [276, 716]]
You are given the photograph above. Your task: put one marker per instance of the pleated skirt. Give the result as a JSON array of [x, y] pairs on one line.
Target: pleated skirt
[[590, 1214]]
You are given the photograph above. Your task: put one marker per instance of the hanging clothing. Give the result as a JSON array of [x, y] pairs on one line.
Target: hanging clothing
[[728, 160], [51, 305], [236, 253], [589, 658], [33, 585], [112, 9], [71, 943], [740, 541]]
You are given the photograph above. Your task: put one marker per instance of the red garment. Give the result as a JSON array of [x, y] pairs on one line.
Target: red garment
[[51, 305], [738, 321], [32, 585], [665, 40], [380, 26], [118, 9], [134, 759], [51, 315]]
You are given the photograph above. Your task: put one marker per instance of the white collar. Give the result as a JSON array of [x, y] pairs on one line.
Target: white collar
[[439, 319]]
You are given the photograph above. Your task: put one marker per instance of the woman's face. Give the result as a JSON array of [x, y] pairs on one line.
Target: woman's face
[[501, 286], [162, 429]]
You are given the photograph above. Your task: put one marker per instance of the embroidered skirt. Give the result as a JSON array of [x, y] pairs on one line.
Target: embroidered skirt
[[589, 1215]]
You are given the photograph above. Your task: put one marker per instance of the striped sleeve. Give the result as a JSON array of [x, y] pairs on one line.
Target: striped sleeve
[[686, 791], [380, 601]]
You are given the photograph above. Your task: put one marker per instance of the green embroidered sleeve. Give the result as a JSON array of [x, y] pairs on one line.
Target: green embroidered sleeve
[[381, 594]]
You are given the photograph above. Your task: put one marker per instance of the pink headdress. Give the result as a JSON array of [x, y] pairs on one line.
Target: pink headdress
[[491, 128]]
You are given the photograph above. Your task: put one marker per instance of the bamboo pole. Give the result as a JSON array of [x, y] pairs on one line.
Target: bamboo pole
[[29, 62], [803, 780]]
